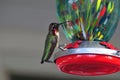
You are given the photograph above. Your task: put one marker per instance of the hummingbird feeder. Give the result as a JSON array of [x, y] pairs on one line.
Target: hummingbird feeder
[[89, 26]]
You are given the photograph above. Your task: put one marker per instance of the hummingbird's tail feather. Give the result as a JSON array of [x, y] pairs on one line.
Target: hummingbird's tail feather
[[42, 62]]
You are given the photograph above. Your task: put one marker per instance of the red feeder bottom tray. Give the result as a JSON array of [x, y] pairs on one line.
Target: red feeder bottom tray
[[88, 64]]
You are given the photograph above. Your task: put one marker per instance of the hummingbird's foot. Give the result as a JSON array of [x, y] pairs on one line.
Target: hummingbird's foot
[[49, 61], [62, 47]]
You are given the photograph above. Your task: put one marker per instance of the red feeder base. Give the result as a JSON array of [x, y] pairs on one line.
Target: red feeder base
[[89, 58], [88, 64]]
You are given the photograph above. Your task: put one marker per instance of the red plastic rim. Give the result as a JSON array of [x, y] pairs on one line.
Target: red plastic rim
[[88, 64]]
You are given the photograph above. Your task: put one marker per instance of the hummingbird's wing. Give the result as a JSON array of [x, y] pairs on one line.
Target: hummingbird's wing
[[50, 45]]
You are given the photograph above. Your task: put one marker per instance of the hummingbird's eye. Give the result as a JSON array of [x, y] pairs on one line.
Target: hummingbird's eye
[[53, 28], [54, 25]]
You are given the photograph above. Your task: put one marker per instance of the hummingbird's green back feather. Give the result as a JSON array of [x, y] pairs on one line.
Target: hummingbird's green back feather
[[47, 49]]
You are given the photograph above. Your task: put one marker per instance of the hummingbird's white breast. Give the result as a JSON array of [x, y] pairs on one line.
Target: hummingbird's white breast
[[58, 37]]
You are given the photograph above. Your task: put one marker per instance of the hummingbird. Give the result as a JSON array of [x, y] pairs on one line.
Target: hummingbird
[[51, 42]]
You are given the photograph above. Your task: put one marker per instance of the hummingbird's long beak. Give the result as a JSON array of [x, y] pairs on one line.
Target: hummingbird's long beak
[[64, 22]]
